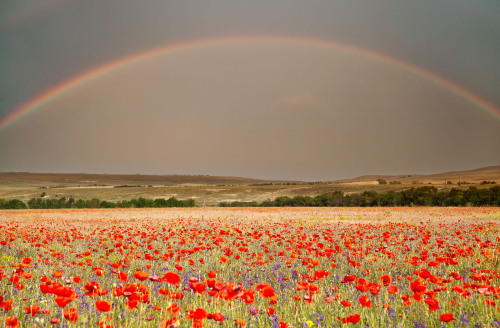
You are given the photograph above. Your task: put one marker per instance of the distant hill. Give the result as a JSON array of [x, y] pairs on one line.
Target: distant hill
[[489, 173], [211, 190], [51, 180], [62, 180]]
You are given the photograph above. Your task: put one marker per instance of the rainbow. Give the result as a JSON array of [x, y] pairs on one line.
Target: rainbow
[[92, 74], [22, 11]]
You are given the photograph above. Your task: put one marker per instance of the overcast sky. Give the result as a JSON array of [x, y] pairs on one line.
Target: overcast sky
[[260, 106]]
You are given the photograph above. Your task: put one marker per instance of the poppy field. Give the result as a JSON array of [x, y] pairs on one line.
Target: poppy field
[[244, 267]]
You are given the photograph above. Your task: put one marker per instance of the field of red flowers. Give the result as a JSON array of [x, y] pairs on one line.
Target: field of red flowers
[[261, 267]]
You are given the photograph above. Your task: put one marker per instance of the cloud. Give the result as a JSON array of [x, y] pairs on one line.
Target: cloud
[[304, 100]]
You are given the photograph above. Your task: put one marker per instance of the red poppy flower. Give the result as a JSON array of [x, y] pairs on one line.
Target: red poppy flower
[[122, 276], [131, 304], [447, 317], [71, 314], [353, 318], [385, 280], [103, 306], [345, 303], [199, 288], [7, 305], [140, 275], [392, 289], [349, 278], [27, 260], [172, 278], [32, 309], [218, 317], [374, 288], [418, 286], [169, 323], [433, 304], [11, 322], [406, 300], [267, 292], [199, 314], [489, 302], [62, 301], [173, 309], [365, 301]]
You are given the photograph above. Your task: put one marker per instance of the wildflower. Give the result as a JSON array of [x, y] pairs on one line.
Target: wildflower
[[406, 300], [131, 304], [11, 322], [350, 278], [216, 316], [365, 301], [171, 323], [32, 310], [27, 260], [447, 317], [353, 318], [418, 286], [173, 309], [253, 311], [432, 303], [374, 288], [267, 292], [122, 276], [103, 306], [345, 303], [71, 314], [7, 305], [172, 278], [140, 275], [385, 280], [198, 314], [392, 289]]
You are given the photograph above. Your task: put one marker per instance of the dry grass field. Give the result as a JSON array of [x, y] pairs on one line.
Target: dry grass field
[[211, 190], [204, 195], [331, 214]]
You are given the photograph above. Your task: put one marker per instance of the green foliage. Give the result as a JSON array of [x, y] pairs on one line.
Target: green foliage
[[14, 204], [422, 196], [57, 203]]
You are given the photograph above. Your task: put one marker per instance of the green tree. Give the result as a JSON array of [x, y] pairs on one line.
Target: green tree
[[15, 204]]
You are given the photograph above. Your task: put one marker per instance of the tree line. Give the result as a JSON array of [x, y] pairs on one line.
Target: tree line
[[57, 203], [421, 196]]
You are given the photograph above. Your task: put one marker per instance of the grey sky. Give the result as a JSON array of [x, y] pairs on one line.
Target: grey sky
[[256, 109]]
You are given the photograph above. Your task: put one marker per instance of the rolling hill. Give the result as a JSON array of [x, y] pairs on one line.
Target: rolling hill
[[489, 173]]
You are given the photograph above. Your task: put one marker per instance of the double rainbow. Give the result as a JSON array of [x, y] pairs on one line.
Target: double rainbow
[[90, 75]]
